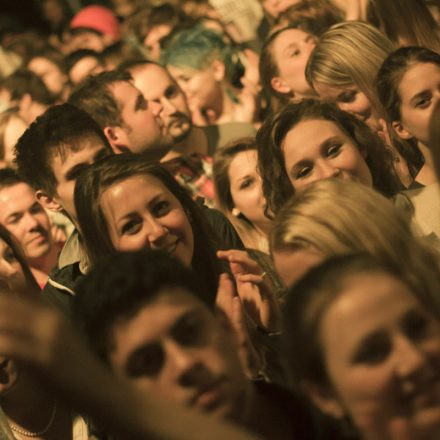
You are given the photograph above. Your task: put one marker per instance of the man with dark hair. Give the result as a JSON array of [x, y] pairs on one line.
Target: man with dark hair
[[26, 219], [25, 90], [128, 120], [49, 155], [147, 317]]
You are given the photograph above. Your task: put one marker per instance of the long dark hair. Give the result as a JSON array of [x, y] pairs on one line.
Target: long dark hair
[[277, 187], [93, 225]]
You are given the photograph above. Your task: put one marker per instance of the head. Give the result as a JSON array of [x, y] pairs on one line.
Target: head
[[126, 204], [147, 316], [53, 151], [343, 66], [238, 187], [407, 84], [332, 218], [49, 66], [157, 85], [15, 275], [117, 53], [81, 63], [27, 91], [128, 120], [313, 140], [202, 63], [24, 217], [275, 7], [12, 127], [283, 61], [373, 349]]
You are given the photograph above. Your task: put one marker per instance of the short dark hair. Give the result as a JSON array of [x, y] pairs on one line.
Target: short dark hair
[[59, 129], [9, 177], [94, 96], [23, 82], [120, 285]]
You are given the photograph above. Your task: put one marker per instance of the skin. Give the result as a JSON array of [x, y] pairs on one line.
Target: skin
[[352, 100], [176, 347], [158, 86], [14, 130], [141, 212], [419, 90], [318, 149], [11, 274], [26, 219], [382, 352], [84, 67], [292, 264], [290, 52], [142, 126], [152, 40], [246, 188], [275, 7], [50, 73], [66, 170]]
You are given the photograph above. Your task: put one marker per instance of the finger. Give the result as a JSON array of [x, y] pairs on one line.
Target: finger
[[225, 293], [249, 278]]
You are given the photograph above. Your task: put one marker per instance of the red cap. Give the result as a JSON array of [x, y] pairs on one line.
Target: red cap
[[99, 19]]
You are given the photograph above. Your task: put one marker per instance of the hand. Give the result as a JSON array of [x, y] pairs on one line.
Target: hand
[[255, 291], [230, 304]]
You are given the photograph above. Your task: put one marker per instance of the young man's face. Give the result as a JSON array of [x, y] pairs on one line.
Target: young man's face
[[66, 169], [26, 219], [177, 348]]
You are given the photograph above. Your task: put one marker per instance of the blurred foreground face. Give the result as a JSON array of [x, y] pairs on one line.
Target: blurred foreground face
[[11, 273], [176, 347], [382, 353]]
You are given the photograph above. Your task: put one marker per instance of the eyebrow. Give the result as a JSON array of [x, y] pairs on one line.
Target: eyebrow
[[324, 144], [419, 95], [140, 101], [131, 213]]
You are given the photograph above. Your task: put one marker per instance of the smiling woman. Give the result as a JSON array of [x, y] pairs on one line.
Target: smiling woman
[[124, 204]]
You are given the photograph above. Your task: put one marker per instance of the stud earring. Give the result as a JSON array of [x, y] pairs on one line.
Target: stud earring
[[235, 212]]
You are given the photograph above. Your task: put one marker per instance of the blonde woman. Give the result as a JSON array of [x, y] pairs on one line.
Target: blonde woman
[[333, 217], [342, 69]]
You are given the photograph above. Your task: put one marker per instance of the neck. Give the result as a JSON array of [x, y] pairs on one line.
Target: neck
[[195, 142], [42, 266], [427, 174]]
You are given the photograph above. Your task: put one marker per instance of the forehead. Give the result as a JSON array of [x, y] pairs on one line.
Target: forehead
[[154, 320], [123, 91], [418, 77], [242, 163], [16, 197], [286, 38], [40, 64], [368, 303], [152, 80]]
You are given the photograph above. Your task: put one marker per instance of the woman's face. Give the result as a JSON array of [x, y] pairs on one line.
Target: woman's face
[[419, 92], [245, 186], [291, 51], [202, 87], [142, 213], [11, 273], [352, 100], [318, 149], [382, 353]]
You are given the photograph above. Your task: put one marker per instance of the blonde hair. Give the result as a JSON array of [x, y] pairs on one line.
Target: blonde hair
[[349, 53], [338, 217]]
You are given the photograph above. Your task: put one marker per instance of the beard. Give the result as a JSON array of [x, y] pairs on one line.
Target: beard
[[179, 126]]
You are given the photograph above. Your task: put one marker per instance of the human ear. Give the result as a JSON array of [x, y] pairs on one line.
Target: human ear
[[219, 70], [324, 398], [401, 131], [48, 202], [114, 137], [279, 85]]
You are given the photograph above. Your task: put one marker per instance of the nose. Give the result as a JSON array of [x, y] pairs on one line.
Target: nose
[[31, 222], [346, 107], [410, 358], [156, 108], [168, 107], [183, 363], [325, 170], [155, 233]]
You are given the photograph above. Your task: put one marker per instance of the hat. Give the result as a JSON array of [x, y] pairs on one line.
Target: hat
[[97, 18]]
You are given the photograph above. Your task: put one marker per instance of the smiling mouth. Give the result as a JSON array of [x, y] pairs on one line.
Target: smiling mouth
[[171, 248]]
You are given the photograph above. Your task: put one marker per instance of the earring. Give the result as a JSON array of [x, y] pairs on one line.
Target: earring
[[235, 212]]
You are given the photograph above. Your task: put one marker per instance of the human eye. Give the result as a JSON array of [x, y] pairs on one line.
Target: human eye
[[171, 92], [348, 96], [303, 172], [9, 255], [294, 52], [423, 102], [373, 350], [333, 149], [416, 325], [141, 103], [246, 183], [147, 361], [36, 208], [161, 208], [190, 330], [131, 227]]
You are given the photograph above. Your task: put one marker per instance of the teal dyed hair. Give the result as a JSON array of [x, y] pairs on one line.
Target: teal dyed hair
[[198, 47]]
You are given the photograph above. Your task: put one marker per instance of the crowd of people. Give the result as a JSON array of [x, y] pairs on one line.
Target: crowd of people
[[220, 220]]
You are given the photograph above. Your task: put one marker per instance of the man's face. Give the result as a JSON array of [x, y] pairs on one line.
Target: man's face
[[26, 219], [142, 127], [157, 85], [66, 169], [176, 347]]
